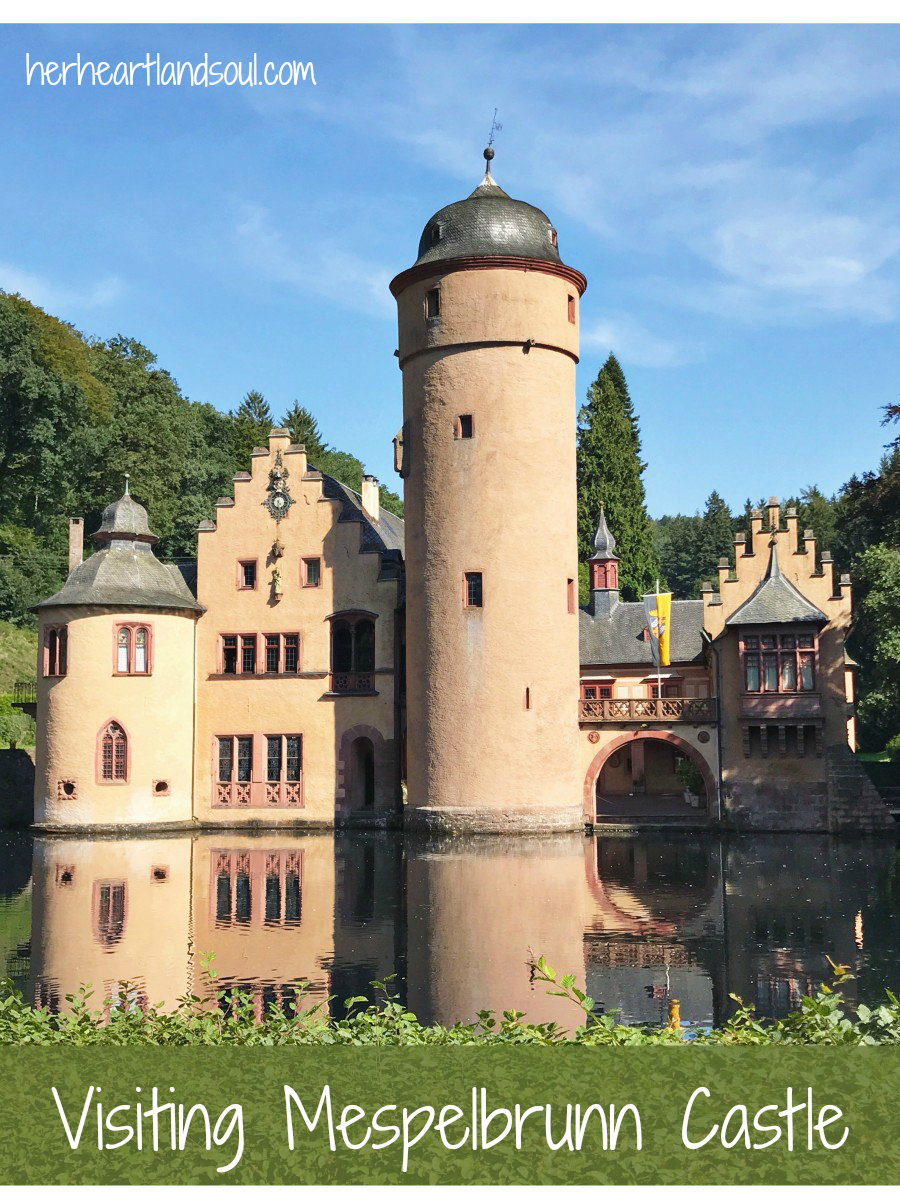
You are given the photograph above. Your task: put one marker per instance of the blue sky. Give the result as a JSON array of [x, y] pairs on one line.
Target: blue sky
[[729, 192]]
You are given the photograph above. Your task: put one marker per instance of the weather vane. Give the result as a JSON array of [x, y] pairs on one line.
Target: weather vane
[[495, 128]]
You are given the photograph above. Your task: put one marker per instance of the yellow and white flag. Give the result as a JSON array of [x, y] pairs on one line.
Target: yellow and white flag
[[658, 608]]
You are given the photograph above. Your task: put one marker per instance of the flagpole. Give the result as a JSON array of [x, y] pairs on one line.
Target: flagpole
[[658, 650]]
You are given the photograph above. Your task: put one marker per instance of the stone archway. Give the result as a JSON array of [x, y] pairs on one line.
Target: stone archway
[[629, 739], [363, 772]]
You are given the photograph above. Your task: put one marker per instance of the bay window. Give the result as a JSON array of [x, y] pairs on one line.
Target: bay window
[[778, 662]]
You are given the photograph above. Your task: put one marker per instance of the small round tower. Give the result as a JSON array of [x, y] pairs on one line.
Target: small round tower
[[115, 690], [488, 343]]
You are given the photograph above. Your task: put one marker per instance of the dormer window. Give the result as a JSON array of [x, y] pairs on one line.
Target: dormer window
[[552, 233], [437, 232]]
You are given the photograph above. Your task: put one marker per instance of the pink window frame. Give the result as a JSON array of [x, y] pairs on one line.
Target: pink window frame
[[99, 755], [281, 653], [133, 627], [258, 782], [778, 633], [246, 562], [62, 651], [307, 558]]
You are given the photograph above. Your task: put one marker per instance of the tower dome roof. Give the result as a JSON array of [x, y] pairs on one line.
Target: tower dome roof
[[604, 542], [125, 518], [488, 223]]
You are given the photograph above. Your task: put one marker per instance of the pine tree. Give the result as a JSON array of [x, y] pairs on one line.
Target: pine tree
[[716, 538], [304, 430], [252, 425], [610, 473]]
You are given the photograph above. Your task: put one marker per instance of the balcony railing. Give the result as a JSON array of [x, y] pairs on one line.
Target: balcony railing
[[352, 681], [664, 710], [25, 692]]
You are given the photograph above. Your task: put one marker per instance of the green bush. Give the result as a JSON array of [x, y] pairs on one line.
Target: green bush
[[893, 748], [689, 776], [16, 727], [825, 1018]]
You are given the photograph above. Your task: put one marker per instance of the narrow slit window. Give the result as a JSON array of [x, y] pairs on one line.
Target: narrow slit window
[[572, 310], [123, 652], [433, 304], [571, 596], [473, 592], [140, 651], [465, 426]]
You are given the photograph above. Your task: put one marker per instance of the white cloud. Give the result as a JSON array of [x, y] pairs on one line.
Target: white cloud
[[635, 345], [323, 267], [58, 298]]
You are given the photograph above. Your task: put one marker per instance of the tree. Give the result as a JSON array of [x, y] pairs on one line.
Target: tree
[[716, 537], [610, 473], [876, 643], [252, 425], [678, 544], [304, 430]]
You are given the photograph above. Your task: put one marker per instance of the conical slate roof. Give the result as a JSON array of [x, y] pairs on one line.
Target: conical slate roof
[[604, 542], [488, 223], [776, 602], [124, 572]]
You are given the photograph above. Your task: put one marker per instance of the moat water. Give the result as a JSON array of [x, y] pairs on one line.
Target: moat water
[[640, 920]]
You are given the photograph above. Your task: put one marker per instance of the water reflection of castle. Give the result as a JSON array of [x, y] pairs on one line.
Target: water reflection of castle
[[640, 920]]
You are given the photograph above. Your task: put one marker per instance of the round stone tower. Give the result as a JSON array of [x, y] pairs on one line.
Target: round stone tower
[[115, 689], [488, 343]]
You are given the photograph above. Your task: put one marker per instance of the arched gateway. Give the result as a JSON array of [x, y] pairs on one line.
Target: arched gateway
[[634, 774]]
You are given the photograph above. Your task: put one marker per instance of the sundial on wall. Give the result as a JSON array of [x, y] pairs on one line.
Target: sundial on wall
[[279, 499]]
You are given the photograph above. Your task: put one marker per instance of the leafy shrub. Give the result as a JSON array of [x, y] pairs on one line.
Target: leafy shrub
[[825, 1018], [893, 748]]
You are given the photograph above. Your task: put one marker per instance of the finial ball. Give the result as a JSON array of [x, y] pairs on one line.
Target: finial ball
[[488, 153]]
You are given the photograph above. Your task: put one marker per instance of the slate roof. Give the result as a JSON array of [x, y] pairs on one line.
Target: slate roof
[[604, 542], [124, 518], [385, 535], [616, 639], [125, 575], [488, 222], [776, 602]]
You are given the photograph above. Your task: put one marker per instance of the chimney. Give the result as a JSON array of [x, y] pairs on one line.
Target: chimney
[[371, 497], [76, 542]]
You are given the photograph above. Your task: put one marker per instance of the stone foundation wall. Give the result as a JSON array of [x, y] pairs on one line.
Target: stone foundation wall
[[16, 787], [494, 820], [845, 802]]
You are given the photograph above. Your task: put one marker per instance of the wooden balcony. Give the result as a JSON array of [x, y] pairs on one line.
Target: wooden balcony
[[641, 712]]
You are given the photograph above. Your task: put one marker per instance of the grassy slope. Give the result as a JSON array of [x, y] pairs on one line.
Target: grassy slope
[[18, 655]]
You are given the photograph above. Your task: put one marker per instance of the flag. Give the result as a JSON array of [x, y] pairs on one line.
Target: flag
[[658, 608]]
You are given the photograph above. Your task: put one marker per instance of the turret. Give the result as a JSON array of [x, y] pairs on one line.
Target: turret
[[115, 686], [488, 342], [603, 567]]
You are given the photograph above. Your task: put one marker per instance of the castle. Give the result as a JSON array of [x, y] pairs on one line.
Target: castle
[[325, 663]]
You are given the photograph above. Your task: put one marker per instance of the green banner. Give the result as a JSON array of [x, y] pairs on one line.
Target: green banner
[[322, 1115]]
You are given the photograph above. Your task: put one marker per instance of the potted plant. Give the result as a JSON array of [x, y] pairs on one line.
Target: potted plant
[[691, 780]]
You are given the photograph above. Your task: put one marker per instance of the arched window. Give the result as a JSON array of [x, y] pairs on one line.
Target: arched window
[[56, 641], [113, 754], [133, 650], [352, 653]]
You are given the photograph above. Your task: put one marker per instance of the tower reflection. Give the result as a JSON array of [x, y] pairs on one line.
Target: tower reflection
[[636, 920]]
